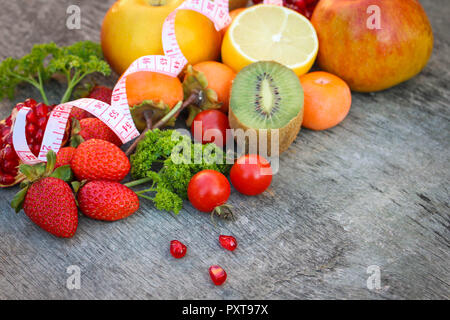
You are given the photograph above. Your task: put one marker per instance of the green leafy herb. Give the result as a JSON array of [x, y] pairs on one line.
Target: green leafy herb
[[75, 62], [179, 160]]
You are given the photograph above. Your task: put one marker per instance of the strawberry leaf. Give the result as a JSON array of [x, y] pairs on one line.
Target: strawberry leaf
[[63, 173], [51, 161], [19, 198]]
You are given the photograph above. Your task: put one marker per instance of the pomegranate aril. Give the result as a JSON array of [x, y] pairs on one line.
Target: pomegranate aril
[[41, 110], [36, 149], [42, 122], [31, 117], [39, 135], [9, 165], [8, 153], [177, 249], [228, 242], [217, 274], [31, 103], [7, 179], [30, 129]]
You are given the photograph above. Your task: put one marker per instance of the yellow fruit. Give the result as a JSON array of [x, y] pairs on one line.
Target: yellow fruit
[[133, 28], [268, 32]]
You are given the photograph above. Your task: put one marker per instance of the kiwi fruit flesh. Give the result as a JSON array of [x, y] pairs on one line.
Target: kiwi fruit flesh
[[267, 96]]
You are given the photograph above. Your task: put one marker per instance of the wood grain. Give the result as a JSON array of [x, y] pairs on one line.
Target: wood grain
[[372, 191]]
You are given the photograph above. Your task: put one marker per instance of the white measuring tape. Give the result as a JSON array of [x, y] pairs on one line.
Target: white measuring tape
[[117, 115]]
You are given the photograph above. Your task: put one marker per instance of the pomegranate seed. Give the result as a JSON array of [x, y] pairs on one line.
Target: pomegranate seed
[[177, 249], [31, 117], [42, 122], [217, 274], [41, 110], [9, 165], [257, 1], [39, 135], [30, 129], [36, 149], [228, 242], [7, 179], [31, 141], [8, 153], [30, 103]]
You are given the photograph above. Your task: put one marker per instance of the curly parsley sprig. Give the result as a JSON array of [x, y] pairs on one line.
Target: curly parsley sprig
[[75, 62]]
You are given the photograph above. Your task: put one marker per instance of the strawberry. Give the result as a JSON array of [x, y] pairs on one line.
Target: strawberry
[[47, 199], [106, 200], [101, 93], [51, 204], [92, 128], [97, 159], [98, 92], [79, 114], [64, 156]]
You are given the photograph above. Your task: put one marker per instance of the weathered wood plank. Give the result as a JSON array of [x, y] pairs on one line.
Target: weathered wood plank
[[372, 191]]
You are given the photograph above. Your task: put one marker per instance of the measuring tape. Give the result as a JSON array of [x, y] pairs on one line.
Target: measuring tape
[[117, 115]]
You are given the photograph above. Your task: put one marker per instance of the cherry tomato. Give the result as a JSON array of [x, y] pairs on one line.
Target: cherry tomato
[[210, 126], [208, 189], [251, 174]]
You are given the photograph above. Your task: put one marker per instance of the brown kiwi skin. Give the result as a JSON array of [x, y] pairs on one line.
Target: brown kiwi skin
[[287, 134]]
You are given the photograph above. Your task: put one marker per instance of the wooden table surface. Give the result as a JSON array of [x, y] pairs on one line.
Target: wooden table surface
[[372, 191]]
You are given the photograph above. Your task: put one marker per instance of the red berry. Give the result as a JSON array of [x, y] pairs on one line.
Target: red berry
[[228, 242], [177, 249], [217, 274], [8, 121]]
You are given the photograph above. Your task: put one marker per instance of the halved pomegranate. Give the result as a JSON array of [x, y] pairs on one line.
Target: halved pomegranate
[[36, 122]]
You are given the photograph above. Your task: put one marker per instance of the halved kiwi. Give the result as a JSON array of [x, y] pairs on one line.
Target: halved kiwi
[[267, 96]]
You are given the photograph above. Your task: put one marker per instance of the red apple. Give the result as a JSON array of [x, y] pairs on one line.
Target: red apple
[[372, 44]]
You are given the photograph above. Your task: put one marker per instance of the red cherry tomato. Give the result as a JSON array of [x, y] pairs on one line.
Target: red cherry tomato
[[208, 189], [251, 174], [210, 126]]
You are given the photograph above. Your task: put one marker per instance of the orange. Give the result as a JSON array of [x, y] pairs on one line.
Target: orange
[[154, 86], [220, 78], [327, 100], [132, 29]]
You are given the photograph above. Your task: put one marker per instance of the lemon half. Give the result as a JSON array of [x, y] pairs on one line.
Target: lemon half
[[270, 33]]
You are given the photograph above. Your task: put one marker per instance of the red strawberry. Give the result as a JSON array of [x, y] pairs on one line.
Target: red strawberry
[[97, 159], [93, 128], [79, 114], [50, 204], [101, 93], [64, 156], [106, 200], [98, 92]]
